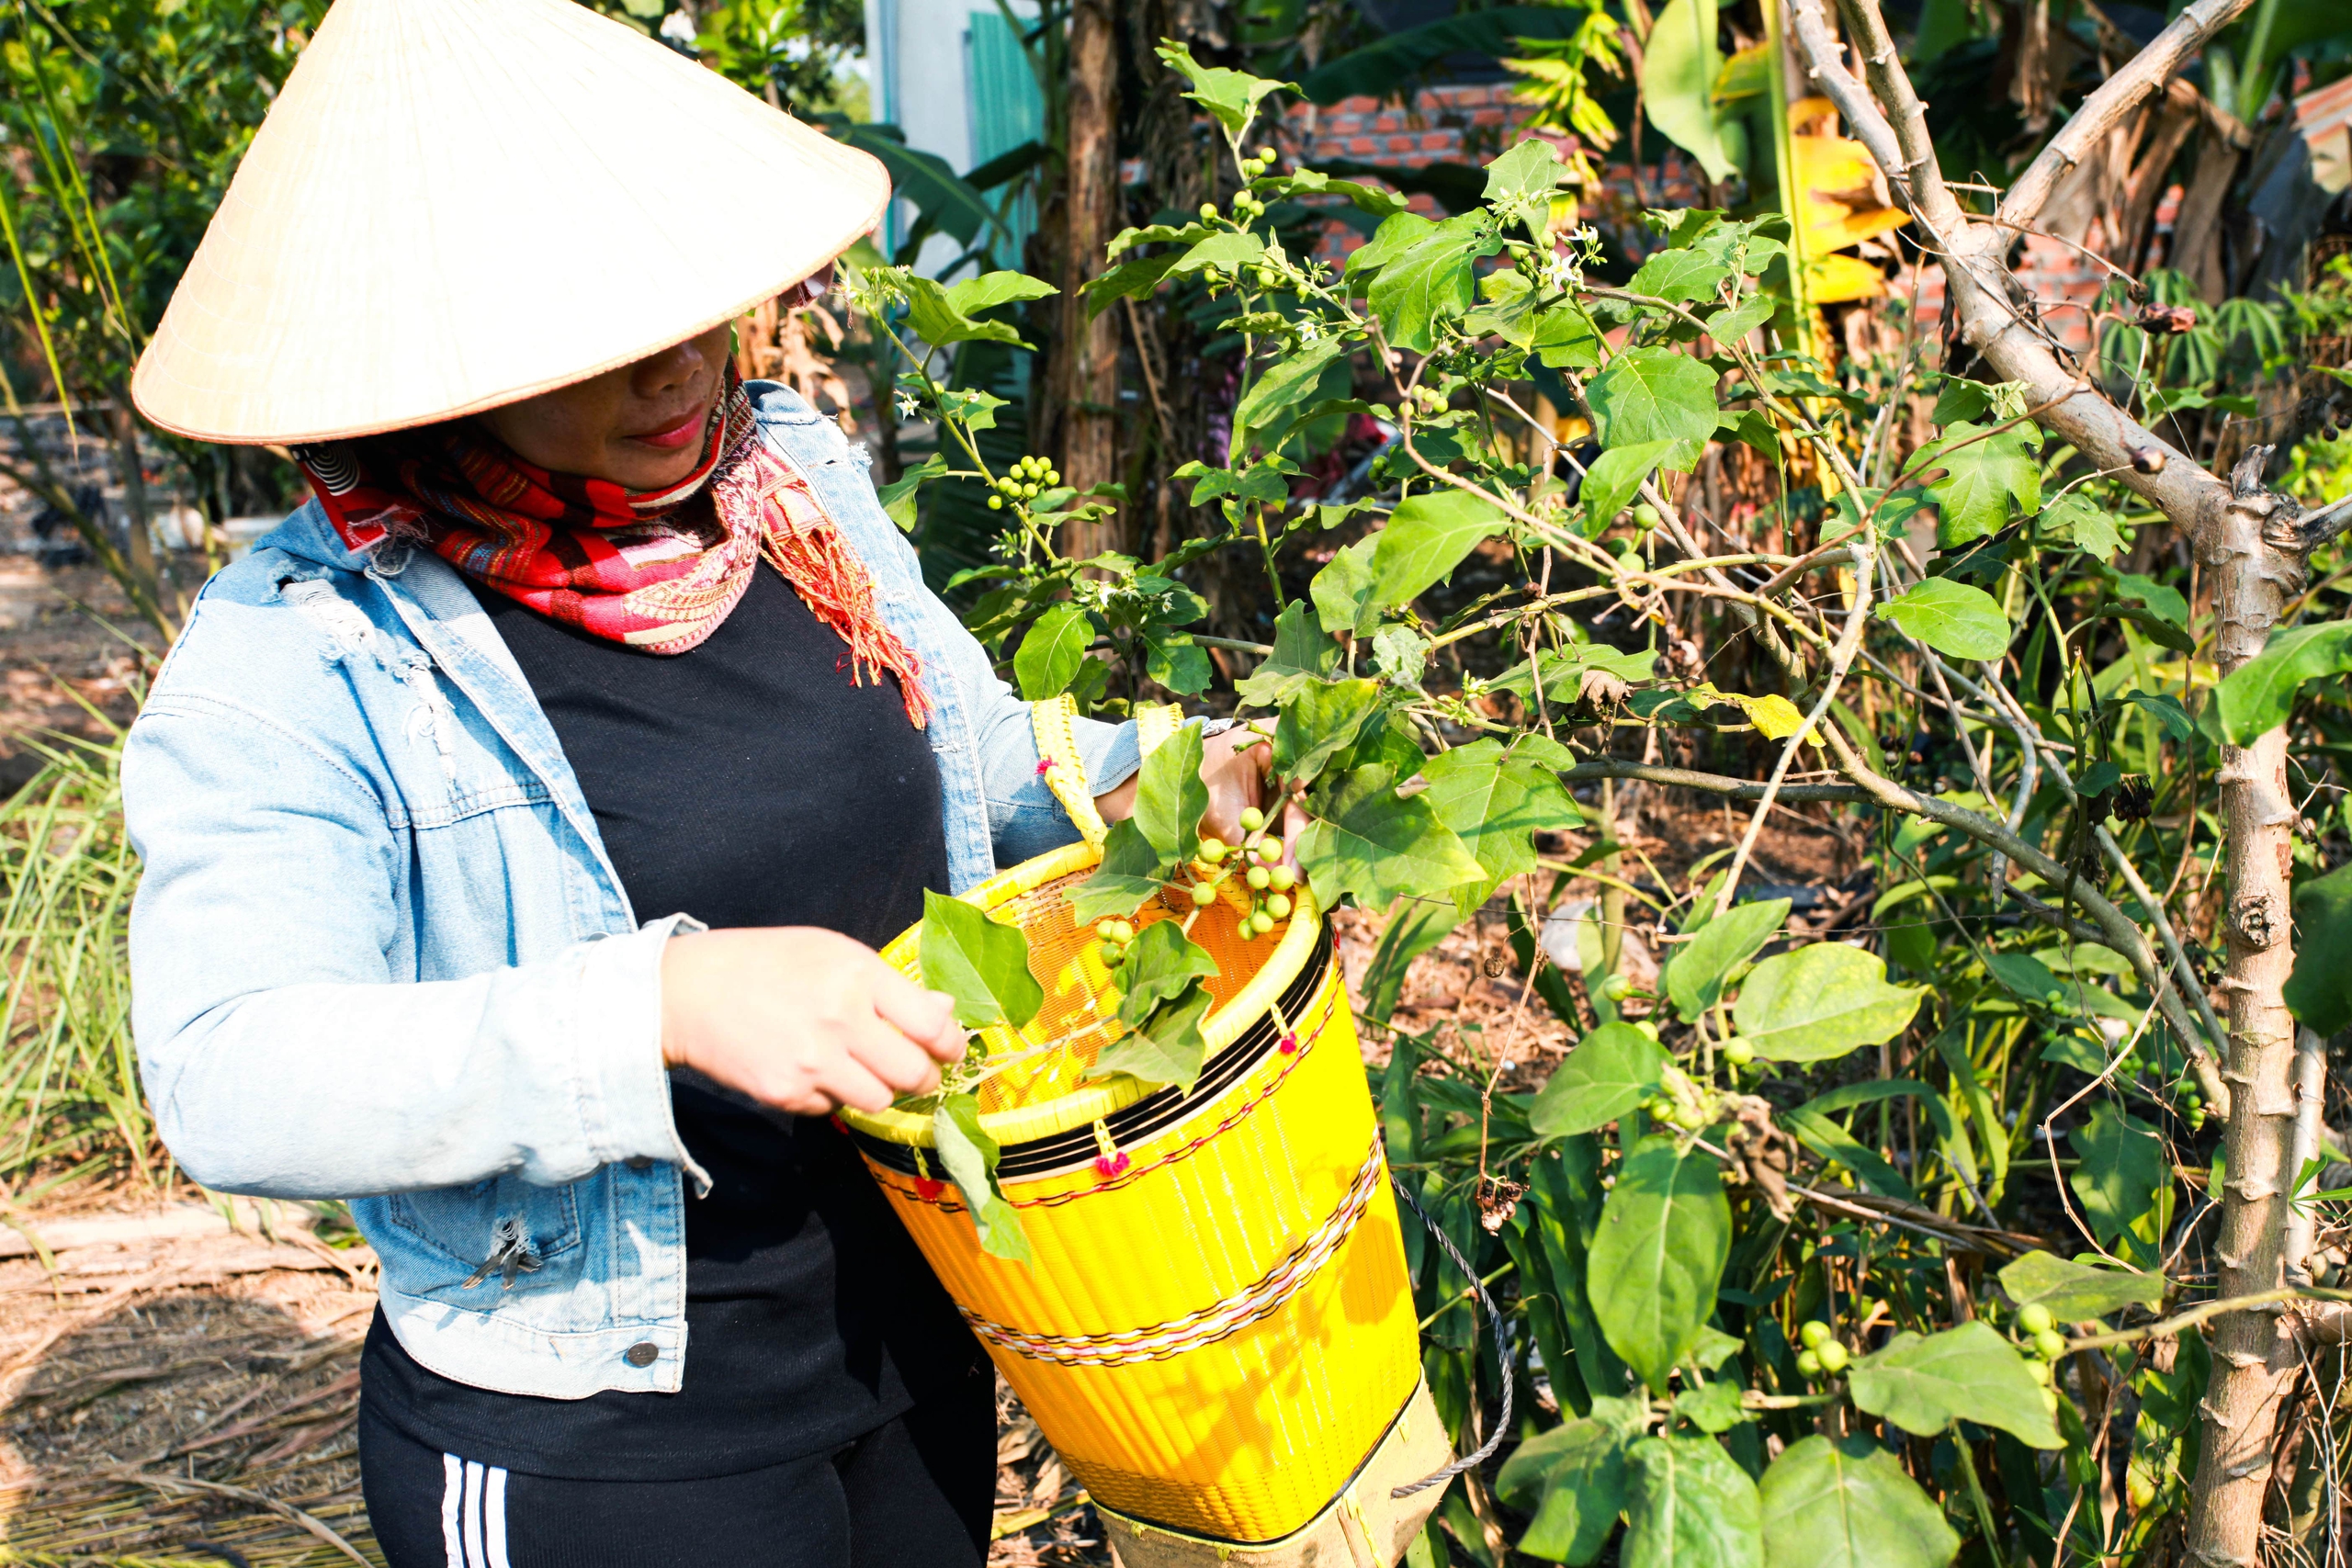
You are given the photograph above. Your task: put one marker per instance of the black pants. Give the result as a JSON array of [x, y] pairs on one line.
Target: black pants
[[880, 1502]]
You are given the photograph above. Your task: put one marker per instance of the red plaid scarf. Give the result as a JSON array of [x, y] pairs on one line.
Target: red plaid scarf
[[613, 562]]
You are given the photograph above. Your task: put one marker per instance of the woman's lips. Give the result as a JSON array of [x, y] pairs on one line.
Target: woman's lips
[[674, 437]]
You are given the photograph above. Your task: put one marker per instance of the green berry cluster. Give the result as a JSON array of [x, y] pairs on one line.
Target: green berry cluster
[[1258, 861], [2192, 1109], [1257, 162], [1823, 1356], [2039, 1331], [1117, 937], [1027, 479]]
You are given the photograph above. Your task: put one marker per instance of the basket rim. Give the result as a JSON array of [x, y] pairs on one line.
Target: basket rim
[[1085, 1106]]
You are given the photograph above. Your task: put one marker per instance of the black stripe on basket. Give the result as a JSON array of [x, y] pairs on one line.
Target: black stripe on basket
[[1155, 1111]]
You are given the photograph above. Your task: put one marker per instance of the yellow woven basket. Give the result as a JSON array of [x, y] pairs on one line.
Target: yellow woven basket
[[1214, 1329]]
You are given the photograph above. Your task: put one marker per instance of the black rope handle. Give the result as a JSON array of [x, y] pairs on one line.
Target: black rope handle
[[1503, 1362]]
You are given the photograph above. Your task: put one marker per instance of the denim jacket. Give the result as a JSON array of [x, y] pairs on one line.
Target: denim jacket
[[379, 954]]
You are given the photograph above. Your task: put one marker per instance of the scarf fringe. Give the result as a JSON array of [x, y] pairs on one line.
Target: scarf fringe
[[833, 583]]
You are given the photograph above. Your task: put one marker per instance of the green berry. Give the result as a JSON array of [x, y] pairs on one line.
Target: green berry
[[1028, 492], [1253, 818], [1208, 211], [2050, 1400], [1112, 953], [1278, 906], [1123, 930], [1814, 1334], [996, 503], [1265, 154], [1832, 1356], [1689, 1118], [1284, 879], [1212, 850], [1107, 929], [2196, 1118], [1616, 987], [1261, 922], [1646, 1027], [1261, 878], [1808, 1363], [2041, 1370], [1053, 475], [2034, 1318], [1738, 1053], [2049, 1344], [1645, 517], [1204, 895], [1270, 849]]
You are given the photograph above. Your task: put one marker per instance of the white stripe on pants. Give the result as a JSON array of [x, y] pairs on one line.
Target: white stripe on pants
[[473, 1513]]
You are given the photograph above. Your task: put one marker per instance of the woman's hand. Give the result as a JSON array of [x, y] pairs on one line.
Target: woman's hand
[[1235, 766], [802, 1019]]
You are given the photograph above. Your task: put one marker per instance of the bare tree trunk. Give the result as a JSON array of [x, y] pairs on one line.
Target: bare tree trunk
[[2257, 560], [2253, 551], [1091, 349]]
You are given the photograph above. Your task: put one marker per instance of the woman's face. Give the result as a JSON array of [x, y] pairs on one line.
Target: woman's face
[[640, 426]]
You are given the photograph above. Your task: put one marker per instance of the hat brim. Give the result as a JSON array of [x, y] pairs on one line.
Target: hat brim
[[459, 204]]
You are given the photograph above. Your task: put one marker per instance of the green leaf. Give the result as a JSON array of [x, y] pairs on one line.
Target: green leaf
[[970, 1157], [1564, 669], [1136, 279], [1519, 185], [1969, 1372], [1617, 474], [983, 964], [2025, 976], [1678, 275], [1732, 325], [1611, 1070], [1174, 659], [2258, 694], [1302, 652], [1987, 479], [2319, 992], [942, 315], [1425, 539], [1713, 1406], [1227, 249], [1162, 962], [1379, 203], [1821, 1001], [2075, 1292], [1318, 720], [1131, 872], [1051, 652], [1565, 337], [2124, 1182], [897, 497], [1953, 619], [1571, 1479], [1170, 797], [2173, 717], [1655, 394], [1694, 979], [1432, 282], [1678, 69], [1395, 236], [1658, 1257], [2090, 528], [1372, 844], [1286, 383], [1167, 1048], [1342, 589], [1689, 1504], [1847, 1504], [1232, 96], [1495, 803]]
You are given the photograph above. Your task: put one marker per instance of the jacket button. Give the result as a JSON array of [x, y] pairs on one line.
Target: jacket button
[[643, 1354], [639, 1162]]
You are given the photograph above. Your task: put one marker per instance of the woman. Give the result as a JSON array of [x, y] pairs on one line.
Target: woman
[[520, 818]]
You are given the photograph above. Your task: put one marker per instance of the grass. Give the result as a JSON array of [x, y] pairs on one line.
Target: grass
[[70, 1105]]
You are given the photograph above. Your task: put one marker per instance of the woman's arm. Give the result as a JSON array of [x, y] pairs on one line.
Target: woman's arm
[[288, 1051]]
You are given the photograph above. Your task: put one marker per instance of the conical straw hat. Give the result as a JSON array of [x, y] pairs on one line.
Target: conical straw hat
[[455, 204]]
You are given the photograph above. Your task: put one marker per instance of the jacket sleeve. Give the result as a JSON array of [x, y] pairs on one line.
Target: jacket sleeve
[[283, 1053]]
